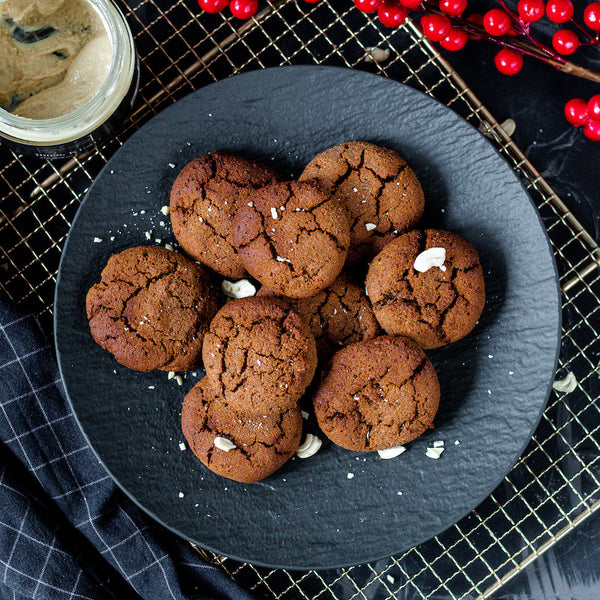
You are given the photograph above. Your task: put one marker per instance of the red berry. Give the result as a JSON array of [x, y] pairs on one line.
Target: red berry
[[213, 6], [591, 16], [559, 11], [243, 9], [311, 1], [435, 27], [411, 4], [565, 41], [591, 130], [576, 112], [593, 107], [496, 22], [454, 8], [391, 13], [531, 11], [478, 20], [508, 62], [455, 40], [367, 6]]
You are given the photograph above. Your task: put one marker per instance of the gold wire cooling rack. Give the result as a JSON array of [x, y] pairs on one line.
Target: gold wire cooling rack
[[556, 483]]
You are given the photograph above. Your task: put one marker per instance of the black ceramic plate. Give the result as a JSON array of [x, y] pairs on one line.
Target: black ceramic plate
[[338, 507]]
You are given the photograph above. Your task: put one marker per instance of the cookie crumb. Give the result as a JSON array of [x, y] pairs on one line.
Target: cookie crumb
[[309, 447], [376, 55], [304, 415]]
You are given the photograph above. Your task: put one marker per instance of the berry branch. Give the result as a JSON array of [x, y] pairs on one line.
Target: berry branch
[[444, 22]]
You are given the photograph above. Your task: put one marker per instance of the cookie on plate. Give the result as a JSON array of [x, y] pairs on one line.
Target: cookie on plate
[[380, 191], [241, 447], [339, 315], [377, 394], [427, 285], [151, 309], [204, 200], [259, 355], [292, 237]]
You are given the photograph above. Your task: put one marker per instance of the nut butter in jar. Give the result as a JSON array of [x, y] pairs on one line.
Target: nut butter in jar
[[68, 74]]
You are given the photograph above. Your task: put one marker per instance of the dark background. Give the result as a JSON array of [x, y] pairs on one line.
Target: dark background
[[570, 163]]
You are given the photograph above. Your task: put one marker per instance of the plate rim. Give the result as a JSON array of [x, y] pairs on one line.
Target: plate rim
[[333, 565]]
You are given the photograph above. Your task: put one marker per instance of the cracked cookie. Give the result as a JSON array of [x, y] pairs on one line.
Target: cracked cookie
[[339, 315], [204, 199], [241, 447], [379, 190], [377, 394], [427, 285], [259, 355], [292, 237], [151, 309]]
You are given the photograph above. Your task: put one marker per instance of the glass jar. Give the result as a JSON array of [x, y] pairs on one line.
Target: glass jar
[[84, 127]]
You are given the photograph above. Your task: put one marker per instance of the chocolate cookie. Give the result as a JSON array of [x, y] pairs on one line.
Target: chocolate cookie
[[259, 355], [380, 191], [292, 237], [234, 445], [204, 200], [435, 306], [377, 394], [151, 309], [339, 315]]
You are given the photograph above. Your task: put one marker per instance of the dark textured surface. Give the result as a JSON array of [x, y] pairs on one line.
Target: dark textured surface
[[468, 189]]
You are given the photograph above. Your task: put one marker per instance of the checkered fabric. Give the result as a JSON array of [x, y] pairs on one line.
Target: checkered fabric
[[66, 531]]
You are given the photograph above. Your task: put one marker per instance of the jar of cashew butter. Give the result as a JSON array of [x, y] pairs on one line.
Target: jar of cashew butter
[[68, 74]]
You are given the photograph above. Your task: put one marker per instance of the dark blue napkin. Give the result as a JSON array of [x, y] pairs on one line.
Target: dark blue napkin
[[66, 530]]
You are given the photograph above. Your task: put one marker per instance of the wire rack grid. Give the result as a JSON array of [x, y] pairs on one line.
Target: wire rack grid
[[555, 484]]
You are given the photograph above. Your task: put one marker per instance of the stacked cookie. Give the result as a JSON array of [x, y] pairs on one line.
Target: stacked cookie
[[308, 243], [243, 420]]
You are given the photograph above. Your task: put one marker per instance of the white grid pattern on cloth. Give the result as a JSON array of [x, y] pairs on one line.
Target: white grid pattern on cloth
[[38, 429]]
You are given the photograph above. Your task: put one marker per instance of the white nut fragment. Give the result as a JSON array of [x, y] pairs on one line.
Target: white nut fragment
[[224, 444], [434, 452], [281, 259], [179, 379], [170, 374], [238, 289], [310, 446], [165, 210], [304, 415], [377, 55], [97, 240], [181, 446], [274, 212], [438, 444], [567, 384], [432, 257], [391, 452], [370, 226]]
